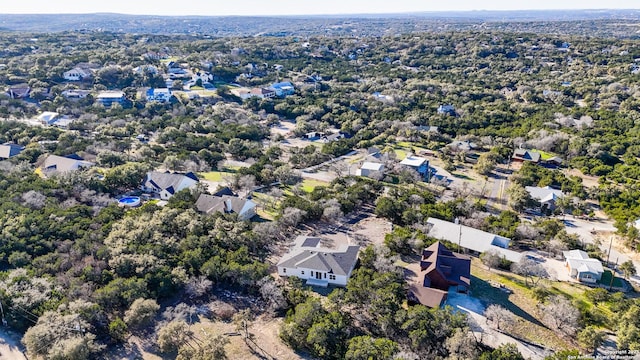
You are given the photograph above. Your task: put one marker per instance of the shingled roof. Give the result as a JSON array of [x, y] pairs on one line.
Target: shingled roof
[[208, 204], [9, 150], [526, 155], [55, 163], [440, 263], [221, 202], [309, 255], [166, 180]]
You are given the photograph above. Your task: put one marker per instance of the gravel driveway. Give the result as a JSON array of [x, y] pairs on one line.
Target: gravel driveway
[[557, 270], [490, 337]]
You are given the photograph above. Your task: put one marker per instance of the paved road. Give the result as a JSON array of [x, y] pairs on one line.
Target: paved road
[[497, 192], [329, 162], [494, 191], [591, 230], [603, 229], [325, 176]]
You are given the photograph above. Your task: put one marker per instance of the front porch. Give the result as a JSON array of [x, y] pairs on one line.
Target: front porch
[[318, 282]]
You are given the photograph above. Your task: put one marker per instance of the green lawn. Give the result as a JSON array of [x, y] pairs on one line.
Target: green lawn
[[309, 184], [401, 263], [215, 176], [409, 145], [606, 279], [463, 176], [544, 155], [400, 154], [204, 92], [267, 205], [169, 59]]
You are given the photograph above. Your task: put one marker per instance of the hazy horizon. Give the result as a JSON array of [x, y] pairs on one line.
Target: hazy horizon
[[293, 7]]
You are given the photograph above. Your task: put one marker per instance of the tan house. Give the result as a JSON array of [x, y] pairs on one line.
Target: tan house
[[55, 164]]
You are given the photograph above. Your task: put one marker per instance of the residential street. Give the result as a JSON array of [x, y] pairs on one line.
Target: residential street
[[497, 196], [604, 231], [320, 176]]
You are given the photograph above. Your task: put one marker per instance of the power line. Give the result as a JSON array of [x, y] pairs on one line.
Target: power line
[[4, 321], [27, 311], [57, 337], [34, 322], [22, 313]]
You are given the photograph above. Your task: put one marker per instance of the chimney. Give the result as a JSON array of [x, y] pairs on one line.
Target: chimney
[[227, 206]]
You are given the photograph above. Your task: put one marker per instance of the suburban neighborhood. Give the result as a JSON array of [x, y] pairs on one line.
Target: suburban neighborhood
[[320, 188]]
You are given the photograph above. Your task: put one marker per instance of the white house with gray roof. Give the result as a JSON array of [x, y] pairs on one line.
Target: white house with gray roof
[[547, 196], [582, 267], [228, 204], [369, 168], [78, 73], [419, 164], [318, 265], [477, 241], [166, 184]]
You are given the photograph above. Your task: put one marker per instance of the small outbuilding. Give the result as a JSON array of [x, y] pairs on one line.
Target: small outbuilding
[[369, 168]]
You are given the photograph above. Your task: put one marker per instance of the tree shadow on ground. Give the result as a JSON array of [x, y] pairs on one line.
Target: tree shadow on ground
[[360, 239], [411, 258], [462, 176], [257, 351], [409, 274], [489, 294]]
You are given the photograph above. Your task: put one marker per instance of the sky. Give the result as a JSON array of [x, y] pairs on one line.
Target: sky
[[293, 7]]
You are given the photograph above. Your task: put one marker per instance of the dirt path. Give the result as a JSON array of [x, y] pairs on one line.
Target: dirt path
[[587, 180], [266, 342], [494, 338], [10, 347], [361, 228]]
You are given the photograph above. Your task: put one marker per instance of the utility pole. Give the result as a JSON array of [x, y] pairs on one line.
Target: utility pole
[[4, 321], [609, 253], [457, 221], [613, 275]]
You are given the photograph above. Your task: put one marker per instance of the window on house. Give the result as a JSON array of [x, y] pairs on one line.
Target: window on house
[[332, 277], [312, 273], [284, 270], [302, 272]]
